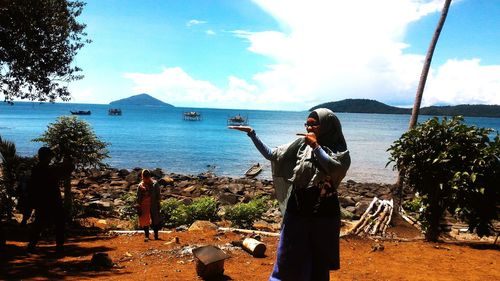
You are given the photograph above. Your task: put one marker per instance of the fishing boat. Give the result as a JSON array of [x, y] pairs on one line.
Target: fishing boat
[[192, 116], [115, 111], [237, 120], [80, 112], [254, 170]]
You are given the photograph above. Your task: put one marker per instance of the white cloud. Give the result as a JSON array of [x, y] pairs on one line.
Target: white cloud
[[332, 50], [210, 32], [195, 22], [463, 82]]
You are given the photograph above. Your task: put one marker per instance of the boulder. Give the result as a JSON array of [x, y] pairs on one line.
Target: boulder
[[202, 225]]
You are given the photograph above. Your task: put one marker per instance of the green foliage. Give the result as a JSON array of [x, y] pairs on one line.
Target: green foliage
[[245, 214], [414, 205], [11, 166], [454, 167], [202, 208], [175, 213], [130, 201], [72, 137], [9, 163], [38, 42]]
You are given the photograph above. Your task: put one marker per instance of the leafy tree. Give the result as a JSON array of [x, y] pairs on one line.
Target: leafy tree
[[74, 138], [453, 167], [38, 41]]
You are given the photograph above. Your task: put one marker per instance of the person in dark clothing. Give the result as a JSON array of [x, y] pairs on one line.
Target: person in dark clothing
[[45, 197], [148, 204], [306, 175]]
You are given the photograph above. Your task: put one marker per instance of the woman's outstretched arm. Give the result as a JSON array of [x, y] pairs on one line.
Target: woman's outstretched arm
[[262, 147]]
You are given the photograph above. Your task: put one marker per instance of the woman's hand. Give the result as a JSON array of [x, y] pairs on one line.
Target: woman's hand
[[246, 129], [311, 140]]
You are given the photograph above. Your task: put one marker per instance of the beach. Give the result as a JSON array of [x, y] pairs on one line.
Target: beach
[[400, 255]]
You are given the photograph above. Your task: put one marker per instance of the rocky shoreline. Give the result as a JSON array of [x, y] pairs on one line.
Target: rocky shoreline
[[101, 193]]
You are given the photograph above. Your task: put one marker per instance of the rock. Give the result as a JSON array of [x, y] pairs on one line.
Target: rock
[[100, 204], [123, 173], [167, 180], [183, 184], [361, 208], [119, 183], [202, 225], [346, 201], [102, 224], [133, 177], [377, 247], [101, 260], [189, 190], [236, 188], [228, 199], [344, 214]]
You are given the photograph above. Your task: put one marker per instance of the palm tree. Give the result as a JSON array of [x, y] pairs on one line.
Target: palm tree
[[427, 65], [421, 84]]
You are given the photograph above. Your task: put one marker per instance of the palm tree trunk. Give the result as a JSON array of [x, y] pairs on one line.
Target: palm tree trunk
[[427, 65], [421, 86]]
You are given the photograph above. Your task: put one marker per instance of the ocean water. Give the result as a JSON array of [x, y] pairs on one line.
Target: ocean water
[[158, 137]]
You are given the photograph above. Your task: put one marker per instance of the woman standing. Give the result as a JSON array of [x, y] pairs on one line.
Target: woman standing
[[306, 174], [148, 204]]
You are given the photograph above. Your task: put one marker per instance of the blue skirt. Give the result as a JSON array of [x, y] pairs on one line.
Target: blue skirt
[[308, 249]]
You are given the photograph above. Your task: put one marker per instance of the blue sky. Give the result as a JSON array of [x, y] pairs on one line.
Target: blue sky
[[287, 55]]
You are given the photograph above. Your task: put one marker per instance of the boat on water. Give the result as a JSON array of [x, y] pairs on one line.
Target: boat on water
[[80, 112], [254, 170], [237, 120], [115, 111], [192, 116]]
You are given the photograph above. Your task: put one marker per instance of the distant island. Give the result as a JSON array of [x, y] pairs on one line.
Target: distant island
[[141, 99], [373, 106]]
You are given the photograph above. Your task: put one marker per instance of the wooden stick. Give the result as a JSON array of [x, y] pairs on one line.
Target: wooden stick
[[362, 219], [249, 231]]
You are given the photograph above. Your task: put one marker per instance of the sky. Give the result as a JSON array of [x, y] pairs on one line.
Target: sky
[[288, 55]]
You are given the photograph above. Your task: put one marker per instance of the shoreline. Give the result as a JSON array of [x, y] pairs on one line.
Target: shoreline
[[101, 193]]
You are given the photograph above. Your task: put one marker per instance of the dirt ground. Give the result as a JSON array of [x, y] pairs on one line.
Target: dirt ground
[[406, 257]]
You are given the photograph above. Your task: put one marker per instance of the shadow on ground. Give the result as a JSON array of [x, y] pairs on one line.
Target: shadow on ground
[[45, 264]]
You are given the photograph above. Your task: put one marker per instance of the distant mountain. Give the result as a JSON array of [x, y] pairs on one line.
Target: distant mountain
[[362, 106], [373, 106], [141, 99], [472, 110]]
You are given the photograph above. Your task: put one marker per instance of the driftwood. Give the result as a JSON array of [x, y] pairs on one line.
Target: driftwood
[[410, 219], [375, 219], [238, 230]]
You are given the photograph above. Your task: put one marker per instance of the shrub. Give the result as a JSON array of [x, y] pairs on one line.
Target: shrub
[[453, 167], [245, 214], [173, 212], [202, 208]]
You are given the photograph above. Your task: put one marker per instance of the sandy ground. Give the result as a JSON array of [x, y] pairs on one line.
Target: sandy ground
[[404, 258]]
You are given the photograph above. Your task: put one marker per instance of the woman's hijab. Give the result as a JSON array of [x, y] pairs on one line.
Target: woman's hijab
[[146, 178], [330, 130]]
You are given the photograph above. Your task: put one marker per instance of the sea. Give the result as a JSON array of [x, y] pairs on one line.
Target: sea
[[158, 137]]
